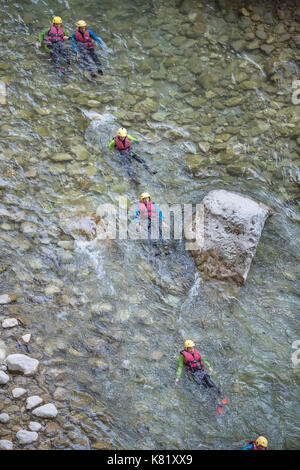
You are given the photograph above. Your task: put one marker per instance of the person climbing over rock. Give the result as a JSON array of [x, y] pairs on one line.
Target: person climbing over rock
[[191, 359], [261, 443], [83, 46], [122, 142], [149, 218], [53, 39]]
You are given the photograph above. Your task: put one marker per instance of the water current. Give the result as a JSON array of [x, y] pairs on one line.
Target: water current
[[208, 115]]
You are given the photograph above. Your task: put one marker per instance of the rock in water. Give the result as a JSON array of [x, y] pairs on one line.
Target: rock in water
[[26, 437], [33, 401], [4, 378], [228, 234], [46, 411], [22, 363], [6, 445]]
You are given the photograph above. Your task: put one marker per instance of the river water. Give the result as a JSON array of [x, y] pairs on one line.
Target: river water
[[109, 329]]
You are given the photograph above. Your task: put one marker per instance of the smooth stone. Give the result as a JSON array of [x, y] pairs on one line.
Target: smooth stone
[[261, 34], [32, 173], [52, 290], [33, 401], [9, 323], [6, 445], [18, 392], [26, 437], [2, 350], [29, 228], [26, 338], [244, 12], [7, 298], [62, 157], [34, 426], [251, 46], [239, 45], [157, 355], [4, 418], [22, 363], [4, 378], [66, 245], [81, 152], [234, 101], [51, 429], [267, 49], [46, 411]]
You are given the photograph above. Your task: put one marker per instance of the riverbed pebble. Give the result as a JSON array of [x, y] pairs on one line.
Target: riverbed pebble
[[18, 392], [4, 418], [46, 411], [4, 378], [9, 322], [22, 363], [34, 426], [7, 298], [26, 437], [6, 445], [26, 338], [33, 401]]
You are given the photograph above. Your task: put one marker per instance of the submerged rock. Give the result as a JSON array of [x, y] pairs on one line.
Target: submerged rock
[[228, 234]]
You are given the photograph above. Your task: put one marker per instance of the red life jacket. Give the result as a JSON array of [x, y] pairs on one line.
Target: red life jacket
[[84, 38], [55, 35], [148, 211], [192, 361], [122, 145], [254, 445]]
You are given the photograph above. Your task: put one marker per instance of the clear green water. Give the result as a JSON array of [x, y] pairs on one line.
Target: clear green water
[[156, 59]]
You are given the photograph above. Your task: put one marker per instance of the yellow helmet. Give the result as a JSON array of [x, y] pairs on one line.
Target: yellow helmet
[[122, 132], [261, 441], [189, 344], [81, 24], [57, 20], [144, 195]]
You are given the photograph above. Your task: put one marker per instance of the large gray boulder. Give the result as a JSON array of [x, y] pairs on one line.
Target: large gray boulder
[[227, 234]]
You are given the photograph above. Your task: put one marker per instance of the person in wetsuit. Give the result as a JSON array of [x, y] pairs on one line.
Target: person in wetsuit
[[150, 218], [83, 47], [122, 142], [53, 39], [191, 359], [261, 443]]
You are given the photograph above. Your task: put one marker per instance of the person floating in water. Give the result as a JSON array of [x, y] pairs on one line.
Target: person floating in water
[[53, 39], [191, 359], [83, 46], [261, 443], [150, 218], [122, 142]]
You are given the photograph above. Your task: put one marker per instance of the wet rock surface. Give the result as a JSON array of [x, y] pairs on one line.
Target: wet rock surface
[[232, 227]]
